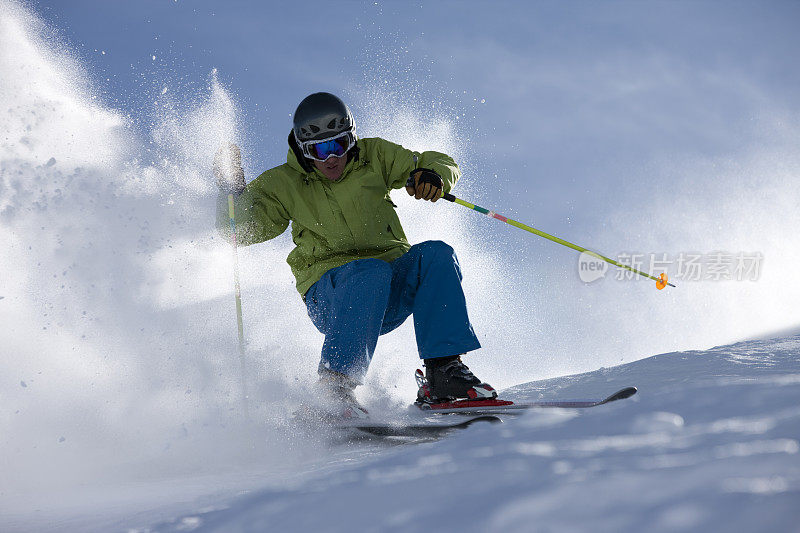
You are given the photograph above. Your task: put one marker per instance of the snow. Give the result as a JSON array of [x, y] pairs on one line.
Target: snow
[[708, 444]]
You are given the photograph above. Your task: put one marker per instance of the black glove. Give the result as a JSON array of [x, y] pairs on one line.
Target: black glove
[[425, 184], [228, 169]]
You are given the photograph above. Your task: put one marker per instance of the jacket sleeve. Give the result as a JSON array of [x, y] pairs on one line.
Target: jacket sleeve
[[259, 214], [398, 162]]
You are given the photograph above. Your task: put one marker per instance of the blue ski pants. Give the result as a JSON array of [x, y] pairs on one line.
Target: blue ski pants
[[355, 303]]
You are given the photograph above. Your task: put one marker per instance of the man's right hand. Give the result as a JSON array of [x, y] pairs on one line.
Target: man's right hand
[[228, 169], [424, 184]]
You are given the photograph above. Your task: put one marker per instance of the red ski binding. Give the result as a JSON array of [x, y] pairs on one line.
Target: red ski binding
[[482, 395]]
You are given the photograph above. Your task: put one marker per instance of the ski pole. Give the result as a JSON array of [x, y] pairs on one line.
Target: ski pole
[[238, 293], [661, 281]]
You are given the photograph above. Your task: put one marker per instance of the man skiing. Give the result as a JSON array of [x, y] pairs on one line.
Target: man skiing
[[353, 265]]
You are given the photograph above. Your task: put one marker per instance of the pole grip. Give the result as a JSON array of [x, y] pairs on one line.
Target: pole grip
[[449, 197]]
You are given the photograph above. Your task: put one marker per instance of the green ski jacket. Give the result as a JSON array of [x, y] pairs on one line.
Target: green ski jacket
[[333, 222]]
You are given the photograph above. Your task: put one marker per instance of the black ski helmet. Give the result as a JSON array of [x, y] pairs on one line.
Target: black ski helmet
[[322, 115]]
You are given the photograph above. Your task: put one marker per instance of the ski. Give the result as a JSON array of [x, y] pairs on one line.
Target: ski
[[496, 405], [414, 430]]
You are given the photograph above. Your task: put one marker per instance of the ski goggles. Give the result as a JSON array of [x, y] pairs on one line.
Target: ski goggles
[[322, 149]]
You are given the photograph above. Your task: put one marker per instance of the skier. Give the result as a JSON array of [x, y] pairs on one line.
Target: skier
[[354, 267]]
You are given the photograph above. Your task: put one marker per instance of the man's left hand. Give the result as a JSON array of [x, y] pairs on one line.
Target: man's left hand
[[228, 169], [424, 184]]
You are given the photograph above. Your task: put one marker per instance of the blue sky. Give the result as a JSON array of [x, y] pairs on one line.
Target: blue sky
[[575, 93]]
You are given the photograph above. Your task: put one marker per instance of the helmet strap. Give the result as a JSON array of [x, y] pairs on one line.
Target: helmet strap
[[298, 153]]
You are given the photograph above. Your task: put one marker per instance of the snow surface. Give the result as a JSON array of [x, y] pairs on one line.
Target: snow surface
[[709, 443]]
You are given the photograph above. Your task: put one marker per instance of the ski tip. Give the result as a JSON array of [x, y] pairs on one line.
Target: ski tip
[[627, 392]]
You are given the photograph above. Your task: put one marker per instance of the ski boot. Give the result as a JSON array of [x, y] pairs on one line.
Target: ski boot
[[447, 378], [337, 393]]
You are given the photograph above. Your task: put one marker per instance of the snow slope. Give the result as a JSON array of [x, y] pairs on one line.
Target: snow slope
[[710, 443]]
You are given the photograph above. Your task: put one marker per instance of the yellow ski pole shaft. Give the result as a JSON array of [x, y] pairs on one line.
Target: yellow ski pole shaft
[[661, 281]]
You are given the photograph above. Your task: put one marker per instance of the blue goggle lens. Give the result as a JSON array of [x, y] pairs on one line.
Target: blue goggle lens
[[337, 147]]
